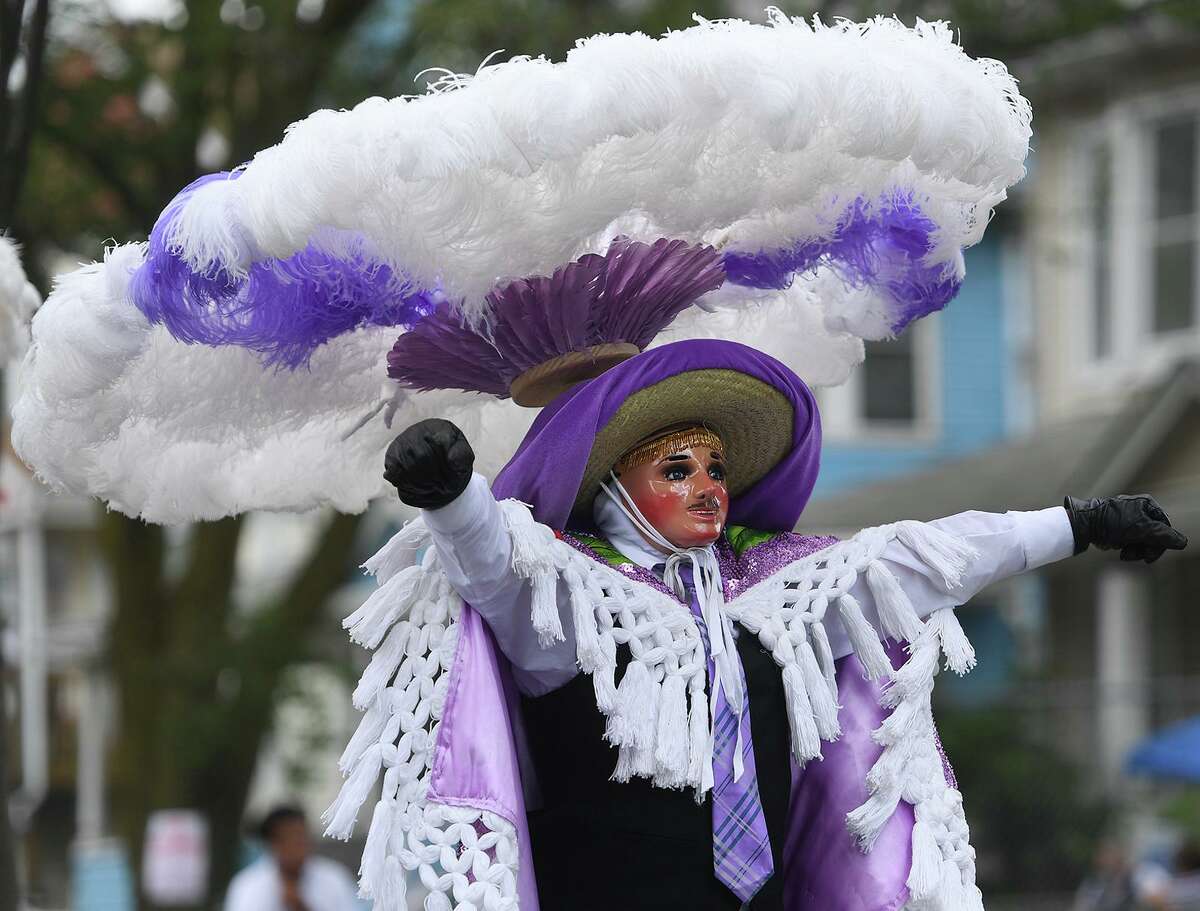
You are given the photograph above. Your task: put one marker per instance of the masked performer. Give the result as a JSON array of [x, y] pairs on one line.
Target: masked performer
[[760, 701], [645, 465]]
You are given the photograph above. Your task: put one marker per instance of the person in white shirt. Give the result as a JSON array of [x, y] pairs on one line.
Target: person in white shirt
[[289, 877]]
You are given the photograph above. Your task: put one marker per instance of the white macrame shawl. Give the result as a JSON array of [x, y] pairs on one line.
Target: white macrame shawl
[[657, 715]]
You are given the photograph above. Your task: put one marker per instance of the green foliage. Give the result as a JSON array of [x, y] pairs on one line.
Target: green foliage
[[1183, 811], [1032, 823]]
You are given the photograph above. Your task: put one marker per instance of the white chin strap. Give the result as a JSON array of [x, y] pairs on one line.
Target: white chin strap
[[706, 574]]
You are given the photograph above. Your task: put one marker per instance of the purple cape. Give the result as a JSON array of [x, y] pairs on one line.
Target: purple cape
[[476, 756]]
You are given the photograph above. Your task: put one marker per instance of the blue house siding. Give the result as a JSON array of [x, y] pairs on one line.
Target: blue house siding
[[972, 378]]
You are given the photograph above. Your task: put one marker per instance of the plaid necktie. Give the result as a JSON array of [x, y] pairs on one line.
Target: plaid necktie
[[741, 847]]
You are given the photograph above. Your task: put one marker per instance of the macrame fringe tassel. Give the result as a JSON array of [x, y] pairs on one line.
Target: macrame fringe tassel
[[374, 859], [925, 874], [944, 554], [587, 635], [634, 721], [392, 892], [400, 552], [546, 621], [863, 639], [634, 762], [823, 702], [382, 666], [906, 720], [950, 890], [671, 747], [806, 741], [867, 821], [824, 652], [606, 691], [960, 655], [698, 756], [896, 614], [533, 559], [365, 734], [341, 815], [916, 676], [370, 623]]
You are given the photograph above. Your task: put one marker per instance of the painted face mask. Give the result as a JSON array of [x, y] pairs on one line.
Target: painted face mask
[[681, 491]]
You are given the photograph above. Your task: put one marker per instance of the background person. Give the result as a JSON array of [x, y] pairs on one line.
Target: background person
[[289, 877]]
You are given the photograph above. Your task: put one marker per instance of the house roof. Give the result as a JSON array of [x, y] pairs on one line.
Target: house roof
[[1101, 64], [1088, 456]]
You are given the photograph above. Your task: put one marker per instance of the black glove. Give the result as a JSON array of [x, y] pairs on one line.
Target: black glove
[[429, 463], [1137, 525]]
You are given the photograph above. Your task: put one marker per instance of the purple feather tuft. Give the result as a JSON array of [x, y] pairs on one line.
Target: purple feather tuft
[[283, 309], [629, 294], [881, 247]]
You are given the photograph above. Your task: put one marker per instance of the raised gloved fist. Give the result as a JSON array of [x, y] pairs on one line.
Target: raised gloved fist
[[429, 463], [1134, 524]]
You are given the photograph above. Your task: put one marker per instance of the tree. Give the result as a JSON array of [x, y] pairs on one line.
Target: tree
[[22, 53], [22, 45], [135, 111]]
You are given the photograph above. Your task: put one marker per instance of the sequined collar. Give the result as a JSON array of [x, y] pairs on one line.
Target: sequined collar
[[741, 568]]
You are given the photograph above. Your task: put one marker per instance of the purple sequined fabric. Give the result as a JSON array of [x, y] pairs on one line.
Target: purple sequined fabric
[[763, 560], [283, 309], [632, 570], [629, 294], [738, 573], [881, 246]]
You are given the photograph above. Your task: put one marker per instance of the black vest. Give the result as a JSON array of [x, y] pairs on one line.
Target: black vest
[[604, 845]]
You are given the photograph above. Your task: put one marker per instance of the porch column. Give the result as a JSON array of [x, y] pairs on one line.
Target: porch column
[[1122, 666]]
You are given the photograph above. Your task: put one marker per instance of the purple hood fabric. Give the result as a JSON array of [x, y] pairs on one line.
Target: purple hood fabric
[[549, 464], [476, 755]]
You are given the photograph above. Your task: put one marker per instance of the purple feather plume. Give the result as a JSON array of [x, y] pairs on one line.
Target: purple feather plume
[[629, 294], [880, 246], [283, 309]]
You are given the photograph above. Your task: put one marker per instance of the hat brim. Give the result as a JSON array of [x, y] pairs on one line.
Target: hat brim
[[754, 420]]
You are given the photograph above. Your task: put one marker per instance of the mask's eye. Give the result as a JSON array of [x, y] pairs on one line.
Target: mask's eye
[[716, 472], [676, 472]]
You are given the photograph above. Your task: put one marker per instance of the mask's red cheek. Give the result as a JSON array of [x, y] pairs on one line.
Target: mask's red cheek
[[661, 508]]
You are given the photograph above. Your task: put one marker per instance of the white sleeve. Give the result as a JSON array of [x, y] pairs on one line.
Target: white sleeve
[[1005, 544], [239, 896], [476, 552]]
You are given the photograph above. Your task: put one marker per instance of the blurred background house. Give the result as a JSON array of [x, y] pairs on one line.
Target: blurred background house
[[149, 669]]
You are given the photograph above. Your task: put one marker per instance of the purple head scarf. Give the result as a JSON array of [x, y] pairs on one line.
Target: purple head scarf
[[548, 467]]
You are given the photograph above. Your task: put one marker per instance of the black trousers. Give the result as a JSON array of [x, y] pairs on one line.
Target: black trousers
[[600, 845]]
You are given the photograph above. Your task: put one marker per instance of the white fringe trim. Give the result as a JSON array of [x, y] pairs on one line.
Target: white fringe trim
[[658, 714], [466, 858]]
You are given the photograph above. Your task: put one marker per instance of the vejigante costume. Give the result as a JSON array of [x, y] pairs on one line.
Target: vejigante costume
[[614, 677]]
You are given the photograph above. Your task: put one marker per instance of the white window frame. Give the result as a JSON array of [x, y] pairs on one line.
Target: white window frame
[[1137, 353], [842, 418]]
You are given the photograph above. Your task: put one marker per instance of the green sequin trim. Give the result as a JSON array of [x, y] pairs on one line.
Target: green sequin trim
[[741, 538], [602, 549]]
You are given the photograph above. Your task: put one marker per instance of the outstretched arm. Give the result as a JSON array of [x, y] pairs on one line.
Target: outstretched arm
[[1010, 543], [430, 464]]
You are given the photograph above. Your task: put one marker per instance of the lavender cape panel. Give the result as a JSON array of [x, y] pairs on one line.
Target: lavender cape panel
[[824, 867], [475, 763], [283, 309]]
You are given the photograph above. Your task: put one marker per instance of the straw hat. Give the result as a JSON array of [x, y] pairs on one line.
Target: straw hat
[[754, 420]]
